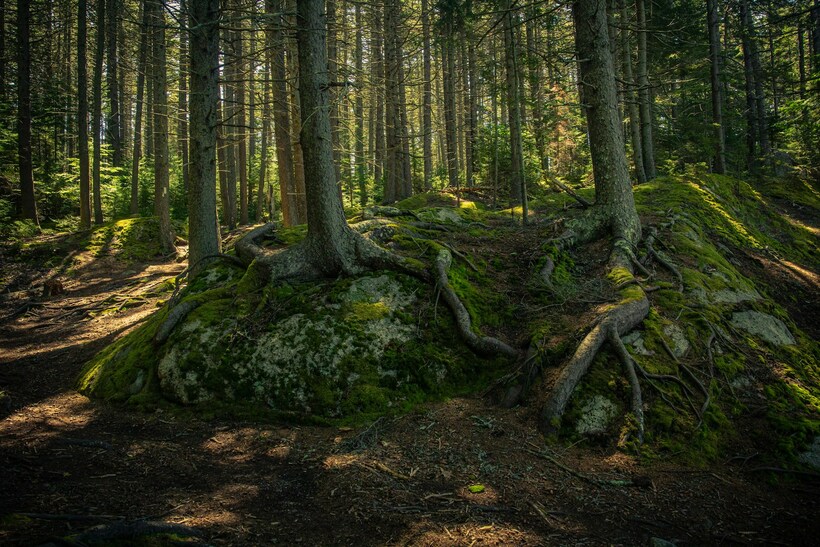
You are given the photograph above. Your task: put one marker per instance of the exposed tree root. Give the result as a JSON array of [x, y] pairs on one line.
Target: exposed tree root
[[628, 362], [661, 259], [485, 345], [613, 323]]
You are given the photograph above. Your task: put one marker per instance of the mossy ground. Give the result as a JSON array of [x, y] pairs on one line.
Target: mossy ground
[[344, 377]]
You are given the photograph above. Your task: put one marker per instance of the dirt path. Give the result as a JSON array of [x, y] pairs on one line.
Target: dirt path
[[402, 481]]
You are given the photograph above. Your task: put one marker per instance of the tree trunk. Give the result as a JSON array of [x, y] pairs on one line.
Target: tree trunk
[[160, 113], [752, 122], [141, 69], [96, 122], [757, 79], [644, 95], [717, 100], [448, 67], [325, 217], [182, 95], [275, 36], [203, 224], [613, 192], [631, 100], [29, 204], [113, 125], [82, 113], [379, 154], [261, 192], [361, 161], [296, 126], [333, 76], [518, 193], [427, 94]]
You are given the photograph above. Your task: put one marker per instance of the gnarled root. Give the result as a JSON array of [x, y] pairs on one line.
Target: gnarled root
[[485, 345], [661, 259], [619, 320], [629, 364]]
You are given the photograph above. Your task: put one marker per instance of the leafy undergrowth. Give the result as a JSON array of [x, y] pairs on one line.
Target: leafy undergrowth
[[345, 351]]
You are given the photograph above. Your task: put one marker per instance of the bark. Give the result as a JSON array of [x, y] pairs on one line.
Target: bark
[[96, 122], [613, 193], [518, 192], [29, 204], [468, 114], [281, 111], [333, 76], [113, 125], [296, 127], [361, 161], [203, 224], [182, 95], [241, 132], [378, 92], [397, 181], [261, 191], [82, 114], [644, 95], [757, 78], [752, 125], [426, 107], [449, 77], [160, 114], [631, 100], [717, 99], [141, 69]]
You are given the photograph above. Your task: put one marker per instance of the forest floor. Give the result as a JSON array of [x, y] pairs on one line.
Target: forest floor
[[68, 463]]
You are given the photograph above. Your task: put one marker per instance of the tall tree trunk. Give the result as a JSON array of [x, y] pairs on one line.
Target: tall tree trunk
[[275, 35], [333, 76], [752, 121], [518, 193], [378, 91], [96, 114], [468, 113], [261, 192], [82, 113], [182, 95], [361, 160], [426, 107], [160, 114], [141, 69], [717, 100], [536, 87], [29, 204], [448, 67], [113, 125], [631, 100], [203, 224], [239, 121], [757, 77], [644, 95], [296, 124], [613, 192]]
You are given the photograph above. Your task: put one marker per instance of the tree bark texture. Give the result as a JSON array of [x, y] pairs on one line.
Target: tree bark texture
[[203, 224]]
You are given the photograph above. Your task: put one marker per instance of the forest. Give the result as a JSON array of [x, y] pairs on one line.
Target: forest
[[409, 272]]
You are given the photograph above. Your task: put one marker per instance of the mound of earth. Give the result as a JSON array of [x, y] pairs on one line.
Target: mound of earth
[[721, 359]]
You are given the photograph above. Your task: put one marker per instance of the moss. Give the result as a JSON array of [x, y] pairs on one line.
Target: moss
[[292, 234], [126, 367]]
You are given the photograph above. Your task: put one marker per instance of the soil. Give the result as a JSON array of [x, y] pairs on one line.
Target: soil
[[71, 463]]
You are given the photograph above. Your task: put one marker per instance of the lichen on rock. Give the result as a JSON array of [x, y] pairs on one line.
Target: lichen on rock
[[771, 329]]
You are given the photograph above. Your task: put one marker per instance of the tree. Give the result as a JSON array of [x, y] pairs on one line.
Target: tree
[[96, 112], [614, 210], [518, 189], [29, 204], [82, 114], [717, 99], [203, 225], [644, 95], [159, 86], [141, 69], [631, 100], [113, 124]]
